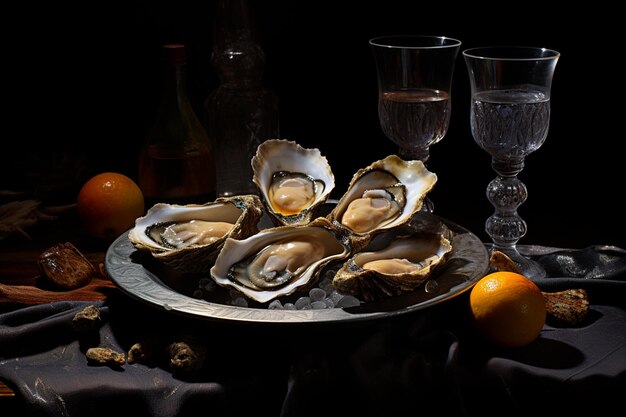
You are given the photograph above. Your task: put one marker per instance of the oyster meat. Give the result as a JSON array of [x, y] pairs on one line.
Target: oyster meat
[[293, 182], [382, 196], [278, 261], [184, 234], [401, 266], [189, 237]]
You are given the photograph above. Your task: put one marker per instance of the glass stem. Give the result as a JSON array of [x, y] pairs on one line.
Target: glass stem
[[506, 193], [505, 227]]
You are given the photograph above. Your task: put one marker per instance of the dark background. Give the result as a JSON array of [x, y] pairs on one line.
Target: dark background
[[90, 74]]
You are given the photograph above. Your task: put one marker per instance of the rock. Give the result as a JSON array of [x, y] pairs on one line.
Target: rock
[[65, 267], [566, 307], [105, 356], [87, 319], [186, 356]]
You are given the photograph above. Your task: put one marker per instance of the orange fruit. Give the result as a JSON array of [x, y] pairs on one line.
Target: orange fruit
[[108, 204], [507, 309]]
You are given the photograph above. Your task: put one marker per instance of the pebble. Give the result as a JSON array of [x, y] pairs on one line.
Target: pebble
[[87, 319], [335, 296], [240, 302], [105, 356], [317, 294], [204, 282], [302, 302], [348, 301], [326, 285]]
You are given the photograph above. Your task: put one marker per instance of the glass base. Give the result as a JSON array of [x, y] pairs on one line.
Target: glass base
[[527, 267]]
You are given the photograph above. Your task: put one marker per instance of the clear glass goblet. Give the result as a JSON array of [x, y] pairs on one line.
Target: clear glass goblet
[[414, 88], [510, 117]]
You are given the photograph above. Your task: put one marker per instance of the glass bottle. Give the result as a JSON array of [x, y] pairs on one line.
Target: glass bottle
[[176, 163], [241, 112]]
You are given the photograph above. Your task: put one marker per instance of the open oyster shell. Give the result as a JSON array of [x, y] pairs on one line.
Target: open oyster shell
[[177, 234], [293, 182], [381, 197], [278, 261], [398, 266]]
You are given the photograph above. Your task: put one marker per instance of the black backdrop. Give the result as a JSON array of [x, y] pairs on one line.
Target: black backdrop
[[89, 74]]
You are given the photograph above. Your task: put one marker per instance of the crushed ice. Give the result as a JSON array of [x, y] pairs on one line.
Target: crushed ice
[[324, 296]]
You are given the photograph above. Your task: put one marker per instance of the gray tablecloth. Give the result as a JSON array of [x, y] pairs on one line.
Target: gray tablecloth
[[418, 364]]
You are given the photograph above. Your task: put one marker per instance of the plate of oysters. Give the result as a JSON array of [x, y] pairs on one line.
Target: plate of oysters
[[292, 255]]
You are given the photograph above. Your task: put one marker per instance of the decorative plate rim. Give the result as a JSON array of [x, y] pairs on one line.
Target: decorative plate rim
[[468, 261]]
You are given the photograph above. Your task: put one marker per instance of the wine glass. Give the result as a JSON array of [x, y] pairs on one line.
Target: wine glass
[[414, 85], [510, 117]]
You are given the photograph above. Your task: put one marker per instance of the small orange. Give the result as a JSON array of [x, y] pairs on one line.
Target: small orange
[[507, 309], [108, 204]]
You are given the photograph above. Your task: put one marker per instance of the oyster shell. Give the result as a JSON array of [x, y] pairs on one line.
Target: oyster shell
[[292, 181], [278, 261], [401, 266], [189, 237], [382, 196]]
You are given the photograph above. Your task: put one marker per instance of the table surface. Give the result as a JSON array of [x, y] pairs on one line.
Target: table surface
[[18, 270], [18, 266]]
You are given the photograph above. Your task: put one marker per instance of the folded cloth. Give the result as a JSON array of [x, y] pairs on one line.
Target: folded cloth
[[43, 359], [566, 371], [425, 362], [592, 262], [598, 269]]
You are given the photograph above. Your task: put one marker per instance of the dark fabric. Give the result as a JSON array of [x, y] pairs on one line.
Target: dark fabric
[[600, 270], [594, 262], [430, 362]]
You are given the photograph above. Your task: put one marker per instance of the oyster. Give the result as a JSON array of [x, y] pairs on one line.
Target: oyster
[[381, 197], [189, 237], [278, 261], [401, 266], [293, 182]]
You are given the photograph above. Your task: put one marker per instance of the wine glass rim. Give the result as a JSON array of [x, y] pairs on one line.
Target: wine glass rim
[[408, 42], [511, 53]]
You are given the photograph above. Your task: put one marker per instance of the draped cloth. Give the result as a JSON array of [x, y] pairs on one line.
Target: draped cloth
[[422, 363]]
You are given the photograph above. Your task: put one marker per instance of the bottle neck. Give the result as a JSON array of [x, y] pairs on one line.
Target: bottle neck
[[237, 55], [174, 98], [239, 66], [176, 122]]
